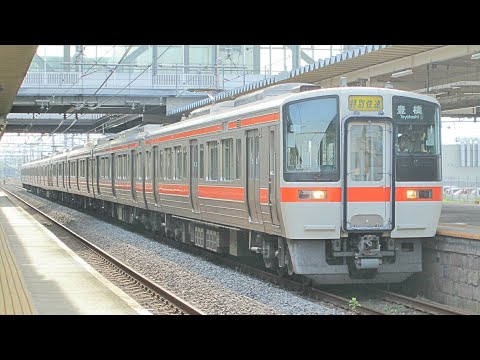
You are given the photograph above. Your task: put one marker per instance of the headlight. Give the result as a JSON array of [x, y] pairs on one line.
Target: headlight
[[411, 194], [312, 194], [319, 194], [419, 194]]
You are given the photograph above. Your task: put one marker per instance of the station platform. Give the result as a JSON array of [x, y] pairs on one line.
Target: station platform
[[464, 231], [41, 275]]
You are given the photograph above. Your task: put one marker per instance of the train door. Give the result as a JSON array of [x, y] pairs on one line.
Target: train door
[[368, 192], [133, 171], [113, 174], [92, 174], [272, 178], [97, 175], [194, 175], [144, 164], [87, 174], [253, 175], [155, 175]]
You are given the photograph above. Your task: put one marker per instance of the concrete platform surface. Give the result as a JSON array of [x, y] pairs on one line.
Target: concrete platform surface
[[41, 275]]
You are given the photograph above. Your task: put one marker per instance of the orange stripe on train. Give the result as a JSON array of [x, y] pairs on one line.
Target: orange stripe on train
[[368, 194], [255, 120], [202, 131], [174, 189], [221, 192]]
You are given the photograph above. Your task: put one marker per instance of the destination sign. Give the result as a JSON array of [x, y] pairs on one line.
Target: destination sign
[[365, 103], [408, 111]]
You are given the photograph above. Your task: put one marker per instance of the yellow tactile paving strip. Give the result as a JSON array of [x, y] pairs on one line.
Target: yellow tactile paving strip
[[14, 297]]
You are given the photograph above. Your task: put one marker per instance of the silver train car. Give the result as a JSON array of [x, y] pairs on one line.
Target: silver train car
[[339, 184]]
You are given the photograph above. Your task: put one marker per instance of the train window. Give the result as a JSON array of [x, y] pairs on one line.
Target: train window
[[311, 140], [138, 164], [126, 166], [366, 152], [416, 126], [227, 159], [119, 162], [212, 147], [257, 157], [185, 163], [161, 171], [169, 163], [148, 166], [238, 159], [417, 139], [178, 163], [202, 162]]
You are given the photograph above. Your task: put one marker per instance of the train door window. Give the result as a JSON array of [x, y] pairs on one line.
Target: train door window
[[119, 162], [76, 170], [202, 162], [169, 163], [238, 159], [227, 159], [125, 166], [161, 171], [185, 173], [257, 157], [272, 152], [139, 166], [212, 147], [251, 163], [109, 168], [178, 163], [149, 166], [367, 154]]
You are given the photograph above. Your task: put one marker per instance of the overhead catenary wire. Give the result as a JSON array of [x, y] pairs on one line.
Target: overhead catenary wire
[[96, 91]]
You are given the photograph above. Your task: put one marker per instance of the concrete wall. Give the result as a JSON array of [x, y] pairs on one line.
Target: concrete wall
[[451, 273]]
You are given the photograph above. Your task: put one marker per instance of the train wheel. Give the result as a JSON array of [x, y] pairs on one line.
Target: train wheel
[[282, 271]]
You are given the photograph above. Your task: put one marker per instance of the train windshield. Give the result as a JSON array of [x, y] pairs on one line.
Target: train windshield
[[311, 140], [417, 126], [417, 139]]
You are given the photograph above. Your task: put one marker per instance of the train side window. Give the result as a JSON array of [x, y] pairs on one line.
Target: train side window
[[119, 164], [148, 169], [138, 165], [212, 147], [178, 163], [227, 159], [168, 163], [238, 159], [161, 171], [202, 162], [185, 174], [107, 168]]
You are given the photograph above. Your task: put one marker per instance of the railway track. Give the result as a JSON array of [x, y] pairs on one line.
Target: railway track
[[417, 304], [148, 292]]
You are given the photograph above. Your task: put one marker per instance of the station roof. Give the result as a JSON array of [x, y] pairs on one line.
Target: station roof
[[446, 72], [14, 63]]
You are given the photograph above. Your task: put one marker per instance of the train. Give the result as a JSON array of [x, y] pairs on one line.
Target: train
[[339, 185]]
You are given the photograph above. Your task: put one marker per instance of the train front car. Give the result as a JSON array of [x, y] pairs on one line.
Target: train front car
[[360, 184]]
